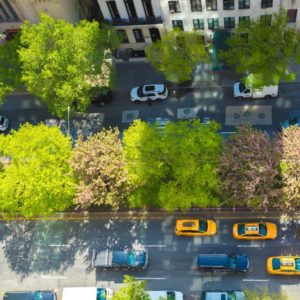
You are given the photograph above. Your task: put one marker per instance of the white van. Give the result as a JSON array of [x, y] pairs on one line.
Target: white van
[[165, 295], [231, 295], [86, 293]]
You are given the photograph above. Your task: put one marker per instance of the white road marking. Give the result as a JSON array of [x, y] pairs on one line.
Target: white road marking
[[150, 278], [255, 279], [155, 246], [249, 246], [58, 245], [53, 277]]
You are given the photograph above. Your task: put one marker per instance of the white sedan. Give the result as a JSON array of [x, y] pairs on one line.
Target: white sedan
[[148, 92], [4, 123]]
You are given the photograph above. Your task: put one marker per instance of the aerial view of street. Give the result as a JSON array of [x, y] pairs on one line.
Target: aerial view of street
[[149, 150]]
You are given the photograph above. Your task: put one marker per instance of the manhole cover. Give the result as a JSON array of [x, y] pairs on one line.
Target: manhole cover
[[187, 111], [261, 115], [247, 114], [236, 116], [130, 116]]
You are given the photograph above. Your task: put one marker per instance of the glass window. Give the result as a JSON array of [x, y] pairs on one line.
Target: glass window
[[177, 24], [244, 19], [266, 3], [130, 8], [174, 7], [211, 5], [244, 4], [138, 35], [292, 15], [262, 229], [196, 5], [198, 23], [266, 19], [112, 7], [241, 229], [229, 22], [213, 23], [228, 4], [203, 226], [123, 35]]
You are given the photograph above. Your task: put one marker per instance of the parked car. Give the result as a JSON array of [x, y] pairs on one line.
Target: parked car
[[196, 227], [148, 92], [233, 262], [115, 259], [4, 123], [292, 121], [283, 265], [103, 97], [165, 295], [254, 231], [223, 295], [87, 293], [30, 295]]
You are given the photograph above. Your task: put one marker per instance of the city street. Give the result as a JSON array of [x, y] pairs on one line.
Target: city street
[[57, 253]]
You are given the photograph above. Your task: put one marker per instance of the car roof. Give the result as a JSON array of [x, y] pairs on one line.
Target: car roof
[[188, 224], [150, 88], [28, 295], [213, 260]]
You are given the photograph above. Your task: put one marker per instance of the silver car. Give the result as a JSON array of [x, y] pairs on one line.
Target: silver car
[[4, 123], [148, 92]]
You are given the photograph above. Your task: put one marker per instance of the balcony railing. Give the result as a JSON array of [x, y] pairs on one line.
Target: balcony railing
[[135, 21]]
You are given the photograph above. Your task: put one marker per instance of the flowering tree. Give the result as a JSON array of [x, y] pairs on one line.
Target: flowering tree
[[249, 169], [100, 169], [289, 143]]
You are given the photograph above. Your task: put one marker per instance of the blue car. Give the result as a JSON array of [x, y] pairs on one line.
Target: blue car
[[292, 121], [233, 262], [30, 295]]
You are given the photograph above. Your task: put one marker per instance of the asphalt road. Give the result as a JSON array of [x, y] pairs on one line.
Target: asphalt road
[[55, 254]]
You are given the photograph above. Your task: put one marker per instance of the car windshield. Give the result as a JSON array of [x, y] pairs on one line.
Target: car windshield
[[231, 296], [1, 120], [38, 296], [241, 229], [233, 261], [297, 264], [242, 87], [293, 121], [203, 226], [131, 258], [101, 294], [140, 91], [276, 263], [262, 229], [170, 295]]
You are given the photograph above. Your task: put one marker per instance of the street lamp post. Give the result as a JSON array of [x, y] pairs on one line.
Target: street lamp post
[[69, 119]]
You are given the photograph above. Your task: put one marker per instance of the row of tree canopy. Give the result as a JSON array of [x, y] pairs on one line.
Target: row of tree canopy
[[185, 164], [135, 290], [64, 64]]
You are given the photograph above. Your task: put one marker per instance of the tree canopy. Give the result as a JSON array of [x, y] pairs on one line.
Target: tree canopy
[[133, 290], [100, 167], [177, 54], [61, 61], [264, 50], [249, 169], [264, 294], [38, 179], [174, 167]]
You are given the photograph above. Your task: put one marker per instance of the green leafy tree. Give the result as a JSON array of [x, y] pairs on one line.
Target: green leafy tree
[[264, 294], [61, 62], [133, 290], [249, 169], [10, 69], [100, 167], [264, 50], [173, 168], [176, 54], [38, 180], [288, 141]]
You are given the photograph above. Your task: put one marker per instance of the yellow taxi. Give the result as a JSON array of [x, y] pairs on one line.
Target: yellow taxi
[[196, 227], [283, 265], [254, 231]]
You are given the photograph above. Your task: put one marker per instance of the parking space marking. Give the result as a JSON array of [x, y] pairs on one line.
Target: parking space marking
[[249, 246], [265, 280], [154, 246], [53, 277], [150, 278]]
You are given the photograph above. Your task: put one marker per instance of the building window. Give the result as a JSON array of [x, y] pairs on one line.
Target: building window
[[7, 12], [266, 19], [211, 5], [292, 15], [177, 24], [198, 23], [244, 4], [244, 19], [213, 23], [196, 5], [229, 22], [112, 7], [174, 7], [148, 8], [138, 35], [130, 8], [228, 4], [266, 3], [123, 35]]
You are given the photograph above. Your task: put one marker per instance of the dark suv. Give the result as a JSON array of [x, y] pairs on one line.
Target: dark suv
[[30, 295], [233, 262]]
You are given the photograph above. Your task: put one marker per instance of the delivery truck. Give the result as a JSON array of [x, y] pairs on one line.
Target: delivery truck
[[86, 293]]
